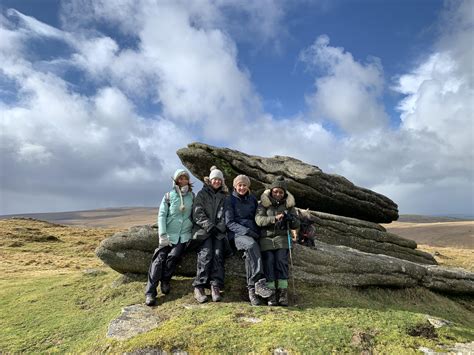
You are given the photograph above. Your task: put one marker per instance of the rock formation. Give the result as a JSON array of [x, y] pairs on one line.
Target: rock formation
[[365, 236], [311, 187], [130, 252]]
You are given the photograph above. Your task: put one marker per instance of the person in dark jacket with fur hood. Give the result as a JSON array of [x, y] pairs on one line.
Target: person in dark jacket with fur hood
[[276, 215], [240, 209], [208, 216]]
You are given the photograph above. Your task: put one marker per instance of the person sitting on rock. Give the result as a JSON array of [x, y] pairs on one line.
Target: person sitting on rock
[[240, 209], [174, 228], [276, 215], [208, 215]]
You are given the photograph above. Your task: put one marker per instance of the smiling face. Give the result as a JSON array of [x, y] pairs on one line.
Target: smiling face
[[216, 183], [277, 193], [241, 188], [183, 180]]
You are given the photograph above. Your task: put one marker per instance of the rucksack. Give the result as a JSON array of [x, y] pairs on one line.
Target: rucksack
[[307, 232]]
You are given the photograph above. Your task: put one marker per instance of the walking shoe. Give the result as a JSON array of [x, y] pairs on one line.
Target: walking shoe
[[254, 300], [200, 295], [216, 294], [262, 290], [272, 300], [283, 297], [150, 300], [165, 287]]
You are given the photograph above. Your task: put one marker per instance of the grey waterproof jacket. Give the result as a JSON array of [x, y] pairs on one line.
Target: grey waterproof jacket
[[208, 211]]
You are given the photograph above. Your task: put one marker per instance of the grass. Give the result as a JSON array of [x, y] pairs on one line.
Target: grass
[[451, 257], [49, 304]]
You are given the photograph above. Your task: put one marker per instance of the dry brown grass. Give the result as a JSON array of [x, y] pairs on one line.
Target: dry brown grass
[[32, 246], [458, 235], [451, 257]]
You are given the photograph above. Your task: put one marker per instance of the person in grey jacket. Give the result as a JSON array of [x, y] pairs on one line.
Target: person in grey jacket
[[240, 209], [174, 226], [208, 215], [276, 215]]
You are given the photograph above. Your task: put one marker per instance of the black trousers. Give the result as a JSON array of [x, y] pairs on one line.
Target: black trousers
[[275, 264], [163, 265], [253, 258], [210, 263]]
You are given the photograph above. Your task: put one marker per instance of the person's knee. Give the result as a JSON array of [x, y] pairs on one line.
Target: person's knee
[[219, 254]]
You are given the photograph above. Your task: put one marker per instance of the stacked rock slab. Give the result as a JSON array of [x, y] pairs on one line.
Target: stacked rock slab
[[311, 187], [365, 236], [131, 252]]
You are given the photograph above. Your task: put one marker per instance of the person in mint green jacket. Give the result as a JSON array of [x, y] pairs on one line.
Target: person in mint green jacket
[[174, 228]]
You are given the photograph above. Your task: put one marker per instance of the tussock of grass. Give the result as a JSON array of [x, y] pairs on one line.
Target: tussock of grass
[[48, 303]]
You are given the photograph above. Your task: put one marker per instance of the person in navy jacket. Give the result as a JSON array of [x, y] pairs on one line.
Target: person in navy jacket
[[240, 208]]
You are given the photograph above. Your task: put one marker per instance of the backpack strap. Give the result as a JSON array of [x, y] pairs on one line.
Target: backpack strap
[[168, 198]]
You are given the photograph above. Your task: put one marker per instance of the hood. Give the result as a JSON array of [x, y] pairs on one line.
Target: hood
[[180, 172], [266, 201]]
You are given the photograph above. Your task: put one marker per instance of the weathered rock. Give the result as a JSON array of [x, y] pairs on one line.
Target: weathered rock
[[324, 264], [311, 187], [364, 236], [134, 320]]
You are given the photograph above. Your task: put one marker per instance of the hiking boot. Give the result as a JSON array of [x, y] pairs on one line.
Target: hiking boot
[[150, 300], [254, 300], [272, 300], [216, 294], [283, 297], [200, 295], [165, 287], [262, 290]]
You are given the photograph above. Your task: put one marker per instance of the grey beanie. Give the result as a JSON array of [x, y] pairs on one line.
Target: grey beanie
[[216, 174], [280, 183]]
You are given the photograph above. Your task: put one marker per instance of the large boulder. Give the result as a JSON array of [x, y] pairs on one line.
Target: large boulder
[[311, 187], [130, 252]]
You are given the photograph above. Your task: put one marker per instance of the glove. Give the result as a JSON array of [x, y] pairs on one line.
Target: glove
[[221, 227], [164, 241], [213, 231], [253, 235]]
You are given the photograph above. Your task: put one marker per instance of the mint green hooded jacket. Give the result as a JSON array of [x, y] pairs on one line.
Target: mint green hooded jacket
[[173, 221]]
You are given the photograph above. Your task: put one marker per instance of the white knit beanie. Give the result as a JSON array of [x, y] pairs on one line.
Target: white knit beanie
[[216, 174]]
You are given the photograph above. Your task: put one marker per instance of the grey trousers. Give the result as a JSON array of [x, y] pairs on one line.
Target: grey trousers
[[253, 258]]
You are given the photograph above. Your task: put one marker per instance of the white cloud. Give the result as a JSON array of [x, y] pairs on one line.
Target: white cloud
[[350, 92], [427, 163], [106, 147]]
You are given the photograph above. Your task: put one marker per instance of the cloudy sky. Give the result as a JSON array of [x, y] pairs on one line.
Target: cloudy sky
[[97, 96]]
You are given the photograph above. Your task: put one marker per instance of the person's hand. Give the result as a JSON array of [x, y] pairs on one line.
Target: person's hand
[[221, 227], [164, 241], [279, 217], [213, 231]]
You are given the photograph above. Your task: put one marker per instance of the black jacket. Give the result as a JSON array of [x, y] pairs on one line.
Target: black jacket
[[208, 211]]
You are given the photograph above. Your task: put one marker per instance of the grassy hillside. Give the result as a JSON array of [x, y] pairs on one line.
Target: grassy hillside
[[56, 296]]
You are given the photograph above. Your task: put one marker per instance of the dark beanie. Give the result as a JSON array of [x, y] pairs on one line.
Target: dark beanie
[[280, 183]]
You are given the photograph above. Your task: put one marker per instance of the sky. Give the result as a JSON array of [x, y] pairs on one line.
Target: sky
[[96, 96]]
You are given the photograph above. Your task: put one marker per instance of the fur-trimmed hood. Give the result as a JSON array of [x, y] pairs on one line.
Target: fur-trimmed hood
[[266, 201], [207, 181]]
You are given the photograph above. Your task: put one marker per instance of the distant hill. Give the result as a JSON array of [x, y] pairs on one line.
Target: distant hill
[[429, 230], [101, 218], [416, 218]]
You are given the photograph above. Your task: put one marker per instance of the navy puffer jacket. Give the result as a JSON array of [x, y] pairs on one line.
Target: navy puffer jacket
[[240, 215]]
